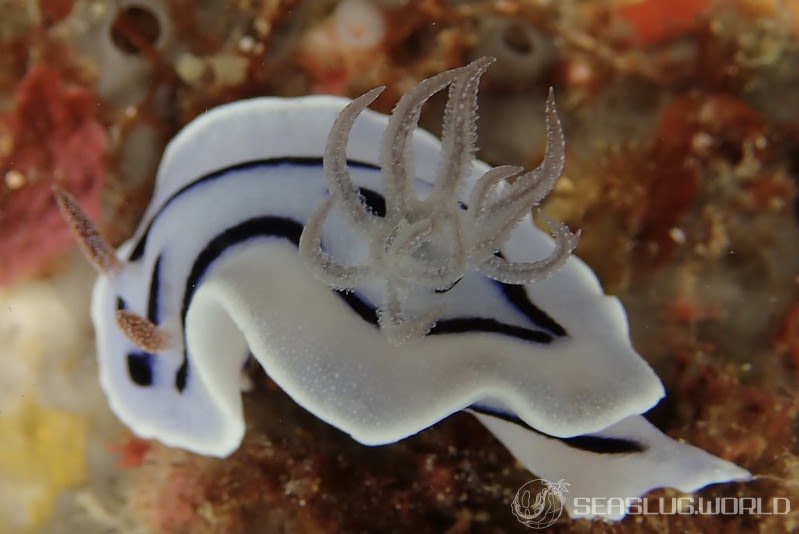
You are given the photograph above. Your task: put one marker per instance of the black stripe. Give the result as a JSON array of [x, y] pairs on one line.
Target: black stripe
[[138, 250], [517, 295], [519, 299], [460, 325], [358, 305], [374, 200], [453, 284], [182, 376], [155, 287], [256, 227], [602, 445], [588, 443]]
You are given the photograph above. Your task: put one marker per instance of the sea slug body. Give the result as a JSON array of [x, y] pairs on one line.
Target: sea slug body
[[385, 280]]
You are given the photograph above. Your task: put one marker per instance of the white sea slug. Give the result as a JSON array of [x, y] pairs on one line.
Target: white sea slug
[[446, 296]]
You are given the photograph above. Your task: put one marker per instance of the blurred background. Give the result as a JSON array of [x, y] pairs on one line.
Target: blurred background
[[682, 127]]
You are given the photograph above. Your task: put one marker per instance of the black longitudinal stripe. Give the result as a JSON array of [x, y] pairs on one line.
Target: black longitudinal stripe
[[155, 290], [461, 325], [280, 227], [518, 297], [358, 305], [587, 443], [457, 325], [138, 250]]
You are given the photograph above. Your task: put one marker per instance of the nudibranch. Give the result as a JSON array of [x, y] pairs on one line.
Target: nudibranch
[[385, 280]]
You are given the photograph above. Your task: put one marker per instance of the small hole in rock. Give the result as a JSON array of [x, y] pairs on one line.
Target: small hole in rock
[[134, 26], [517, 38]]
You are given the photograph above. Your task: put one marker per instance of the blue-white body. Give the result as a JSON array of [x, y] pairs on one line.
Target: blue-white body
[[215, 265]]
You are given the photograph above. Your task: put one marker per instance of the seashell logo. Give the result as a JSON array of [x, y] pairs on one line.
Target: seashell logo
[[539, 503]]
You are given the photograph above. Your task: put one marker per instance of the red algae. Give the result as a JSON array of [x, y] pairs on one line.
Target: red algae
[[656, 21], [54, 11], [52, 135], [131, 452], [763, 422], [707, 150]]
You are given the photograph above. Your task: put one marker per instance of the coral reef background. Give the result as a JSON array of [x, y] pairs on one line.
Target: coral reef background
[[682, 123]]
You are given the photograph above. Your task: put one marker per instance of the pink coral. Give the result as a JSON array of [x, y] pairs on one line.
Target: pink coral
[[51, 135]]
